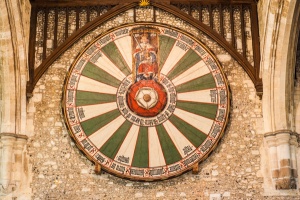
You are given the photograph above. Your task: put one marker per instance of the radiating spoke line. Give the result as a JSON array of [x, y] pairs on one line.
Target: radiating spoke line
[[192, 134], [201, 96], [196, 71], [186, 62], [179, 140], [113, 144], [171, 153], [123, 44], [141, 152], [201, 123], [156, 156], [204, 82], [88, 84], [102, 135], [104, 63], [165, 46], [113, 54], [200, 109], [126, 151], [174, 56], [92, 111], [84, 98], [94, 124], [94, 72]]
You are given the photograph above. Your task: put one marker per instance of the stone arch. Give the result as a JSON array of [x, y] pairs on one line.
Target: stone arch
[[285, 67], [278, 63], [1, 85], [13, 77], [8, 74], [296, 90], [278, 66], [15, 69]]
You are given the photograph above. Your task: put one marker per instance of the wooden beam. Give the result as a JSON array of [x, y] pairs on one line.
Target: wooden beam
[[221, 20], [88, 15], [77, 18], [195, 169], [55, 29], [211, 20], [154, 14], [38, 72], [250, 70], [75, 3], [134, 14], [97, 168], [45, 35], [241, 9], [67, 24], [256, 48], [232, 26], [213, 35], [31, 54]]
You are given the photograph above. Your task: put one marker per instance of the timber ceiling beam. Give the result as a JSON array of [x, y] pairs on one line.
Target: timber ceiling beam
[[253, 71], [71, 3]]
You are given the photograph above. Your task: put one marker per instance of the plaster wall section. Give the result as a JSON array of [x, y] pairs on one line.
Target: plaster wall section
[[232, 171]]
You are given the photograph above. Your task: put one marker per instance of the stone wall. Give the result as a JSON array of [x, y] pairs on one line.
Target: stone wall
[[61, 171]]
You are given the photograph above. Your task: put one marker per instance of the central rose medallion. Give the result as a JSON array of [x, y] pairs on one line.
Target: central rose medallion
[[146, 98], [146, 102]]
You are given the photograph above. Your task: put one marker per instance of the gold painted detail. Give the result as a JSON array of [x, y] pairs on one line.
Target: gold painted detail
[[144, 2]]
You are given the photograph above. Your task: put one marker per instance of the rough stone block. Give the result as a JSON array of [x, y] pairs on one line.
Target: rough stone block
[[285, 162], [275, 173], [285, 172]]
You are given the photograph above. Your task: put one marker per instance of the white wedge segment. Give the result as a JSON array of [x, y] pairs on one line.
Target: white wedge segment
[[123, 44], [156, 157], [174, 56], [90, 85], [179, 140], [201, 96], [128, 145], [91, 111], [196, 71], [102, 135], [201, 123], [104, 63]]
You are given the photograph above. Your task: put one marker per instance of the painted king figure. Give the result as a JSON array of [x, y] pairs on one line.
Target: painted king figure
[[145, 58]]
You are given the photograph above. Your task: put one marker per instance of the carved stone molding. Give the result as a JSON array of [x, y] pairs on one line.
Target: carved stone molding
[[282, 153], [286, 184], [12, 161]]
